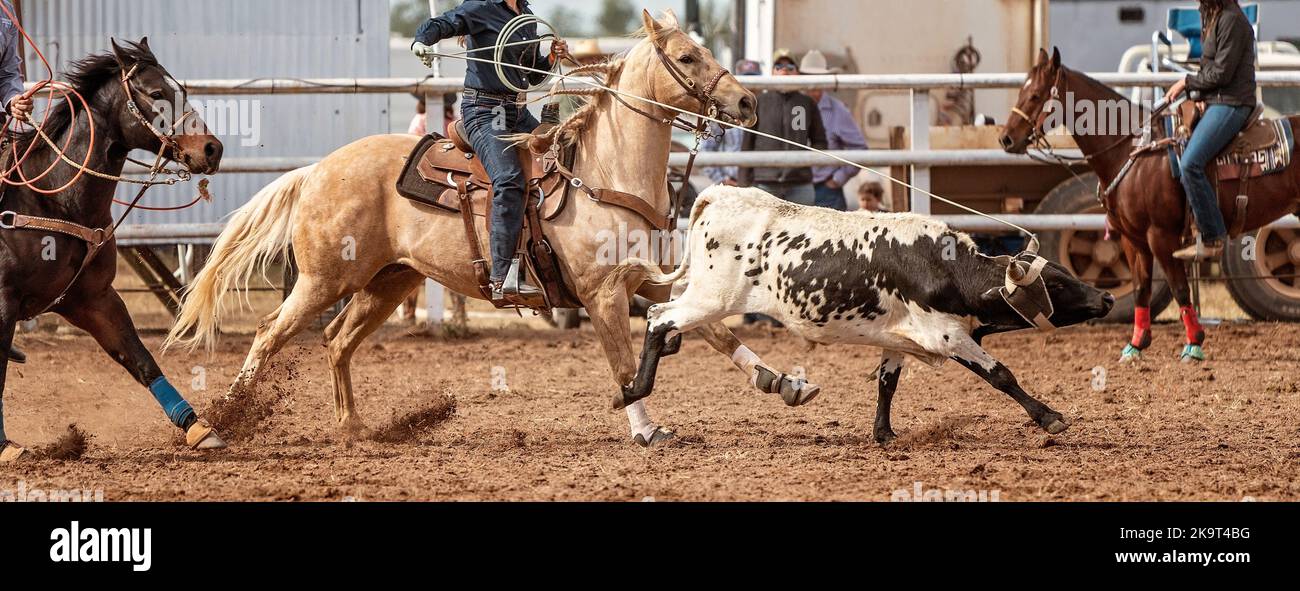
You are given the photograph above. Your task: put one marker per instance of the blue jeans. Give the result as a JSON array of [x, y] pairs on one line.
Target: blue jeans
[[831, 198], [486, 119], [1219, 125], [800, 193]]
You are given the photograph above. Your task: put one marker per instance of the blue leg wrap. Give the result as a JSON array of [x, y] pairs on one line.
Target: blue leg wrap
[[177, 409]]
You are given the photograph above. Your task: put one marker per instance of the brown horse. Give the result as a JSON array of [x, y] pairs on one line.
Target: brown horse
[[57, 252], [1148, 207], [349, 202]]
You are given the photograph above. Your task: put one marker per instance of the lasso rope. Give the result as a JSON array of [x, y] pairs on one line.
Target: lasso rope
[[584, 81]]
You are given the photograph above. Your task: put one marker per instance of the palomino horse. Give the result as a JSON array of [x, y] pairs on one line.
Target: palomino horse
[[1148, 207], [350, 198], [58, 252]]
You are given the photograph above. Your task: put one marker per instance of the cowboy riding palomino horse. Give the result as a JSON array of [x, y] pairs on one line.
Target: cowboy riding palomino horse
[[75, 224], [1143, 198], [353, 197]]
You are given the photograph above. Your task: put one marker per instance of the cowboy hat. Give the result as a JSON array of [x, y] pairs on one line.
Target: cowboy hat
[[815, 63]]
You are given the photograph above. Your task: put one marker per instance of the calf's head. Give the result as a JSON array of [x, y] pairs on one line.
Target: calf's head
[[1050, 294]]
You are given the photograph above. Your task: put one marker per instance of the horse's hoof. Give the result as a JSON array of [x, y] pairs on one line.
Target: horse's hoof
[[1192, 354], [797, 391], [660, 435], [11, 452], [885, 437], [1130, 354], [202, 436], [1056, 426]]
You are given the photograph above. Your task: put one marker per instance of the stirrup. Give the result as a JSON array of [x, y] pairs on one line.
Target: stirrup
[[1200, 251]]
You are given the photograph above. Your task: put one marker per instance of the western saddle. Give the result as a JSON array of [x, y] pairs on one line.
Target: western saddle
[[444, 173], [1263, 148]]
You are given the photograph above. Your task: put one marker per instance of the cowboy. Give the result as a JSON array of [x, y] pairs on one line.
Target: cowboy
[[491, 110], [791, 115], [728, 140], [842, 133], [17, 103]]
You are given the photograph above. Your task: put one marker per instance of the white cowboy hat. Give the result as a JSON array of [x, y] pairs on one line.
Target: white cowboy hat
[[815, 63]]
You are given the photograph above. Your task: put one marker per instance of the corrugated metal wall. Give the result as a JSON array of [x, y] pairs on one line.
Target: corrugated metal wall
[[238, 39]]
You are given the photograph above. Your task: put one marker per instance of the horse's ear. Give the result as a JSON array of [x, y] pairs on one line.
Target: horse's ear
[[123, 60], [652, 27], [1056, 57], [670, 18], [1042, 56], [144, 44]]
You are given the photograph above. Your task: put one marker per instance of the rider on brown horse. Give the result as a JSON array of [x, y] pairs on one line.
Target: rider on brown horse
[[491, 110], [1225, 88]]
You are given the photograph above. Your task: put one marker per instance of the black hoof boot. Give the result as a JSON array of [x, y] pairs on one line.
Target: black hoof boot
[[661, 435]]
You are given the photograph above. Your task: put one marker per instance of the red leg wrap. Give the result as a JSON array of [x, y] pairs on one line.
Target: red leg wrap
[[1195, 334], [1141, 328]]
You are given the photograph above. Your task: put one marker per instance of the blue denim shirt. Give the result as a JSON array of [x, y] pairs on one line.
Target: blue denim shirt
[[11, 74], [842, 133], [480, 22]]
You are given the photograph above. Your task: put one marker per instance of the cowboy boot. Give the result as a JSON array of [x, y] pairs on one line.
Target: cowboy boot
[[513, 287]]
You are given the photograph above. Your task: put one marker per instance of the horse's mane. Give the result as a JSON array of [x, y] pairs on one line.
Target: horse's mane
[[86, 76], [566, 133], [1104, 90]]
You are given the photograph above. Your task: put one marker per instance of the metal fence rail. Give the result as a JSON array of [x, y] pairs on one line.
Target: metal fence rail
[[920, 158]]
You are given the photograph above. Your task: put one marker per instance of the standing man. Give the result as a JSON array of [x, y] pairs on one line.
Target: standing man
[[730, 139], [842, 133], [792, 115], [17, 104]]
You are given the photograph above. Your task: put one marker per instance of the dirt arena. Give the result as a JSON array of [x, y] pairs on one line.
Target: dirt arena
[[1159, 431]]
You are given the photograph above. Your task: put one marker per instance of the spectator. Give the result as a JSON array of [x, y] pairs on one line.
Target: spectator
[[842, 133], [420, 123], [730, 139], [791, 115], [871, 197]]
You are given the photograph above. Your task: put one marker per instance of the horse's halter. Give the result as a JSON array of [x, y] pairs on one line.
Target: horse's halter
[[1036, 133], [168, 140]]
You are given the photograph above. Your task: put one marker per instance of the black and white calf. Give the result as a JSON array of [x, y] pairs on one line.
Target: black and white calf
[[906, 283]]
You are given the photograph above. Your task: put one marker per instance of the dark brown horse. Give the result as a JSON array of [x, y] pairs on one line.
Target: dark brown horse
[[1147, 208], [57, 253]]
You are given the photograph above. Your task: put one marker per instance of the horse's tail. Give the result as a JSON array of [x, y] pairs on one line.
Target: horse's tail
[[255, 235], [649, 272]]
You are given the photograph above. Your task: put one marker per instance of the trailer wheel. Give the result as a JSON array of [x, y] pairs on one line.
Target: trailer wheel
[[1089, 256], [1262, 271]]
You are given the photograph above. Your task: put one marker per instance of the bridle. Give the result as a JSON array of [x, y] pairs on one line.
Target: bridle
[[708, 108], [97, 238]]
